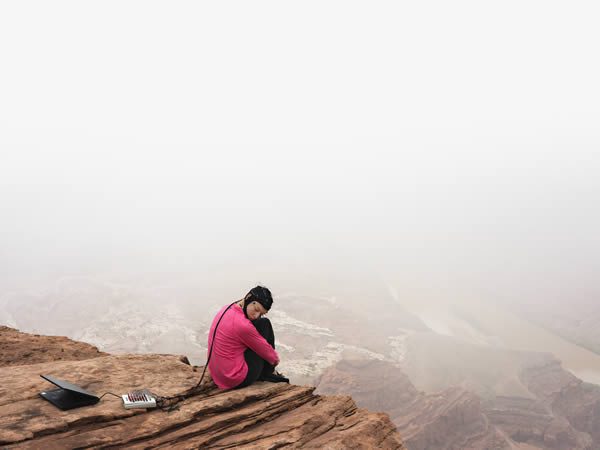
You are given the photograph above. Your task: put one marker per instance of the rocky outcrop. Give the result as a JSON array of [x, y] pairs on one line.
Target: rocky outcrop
[[566, 396], [264, 415], [18, 348], [530, 422], [560, 412], [450, 419]]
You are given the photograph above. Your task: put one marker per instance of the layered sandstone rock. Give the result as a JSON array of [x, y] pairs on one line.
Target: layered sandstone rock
[[566, 396], [450, 419], [529, 422], [264, 415], [18, 348], [560, 411]]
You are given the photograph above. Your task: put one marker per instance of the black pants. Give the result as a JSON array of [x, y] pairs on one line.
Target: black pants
[[258, 367]]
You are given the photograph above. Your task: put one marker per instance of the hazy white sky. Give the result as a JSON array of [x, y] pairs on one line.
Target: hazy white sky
[[445, 140]]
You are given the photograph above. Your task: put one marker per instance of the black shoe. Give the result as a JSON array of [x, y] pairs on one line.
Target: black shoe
[[275, 377]]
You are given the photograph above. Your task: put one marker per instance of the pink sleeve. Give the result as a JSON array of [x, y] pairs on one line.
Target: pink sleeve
[[253, 340]]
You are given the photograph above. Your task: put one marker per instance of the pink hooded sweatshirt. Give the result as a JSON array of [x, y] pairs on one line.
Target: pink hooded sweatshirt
[[235, 334]]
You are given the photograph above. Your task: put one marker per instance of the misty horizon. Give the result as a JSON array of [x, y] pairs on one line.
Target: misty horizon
[[451, 153], [454, 148]]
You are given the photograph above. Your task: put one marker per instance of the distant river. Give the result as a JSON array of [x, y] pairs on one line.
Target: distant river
[[490, 324]]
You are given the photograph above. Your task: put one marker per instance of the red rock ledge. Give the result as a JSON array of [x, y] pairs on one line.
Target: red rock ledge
[[264, 415]]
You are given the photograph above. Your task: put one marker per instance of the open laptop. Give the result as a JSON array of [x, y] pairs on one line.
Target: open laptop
[[67, 396]]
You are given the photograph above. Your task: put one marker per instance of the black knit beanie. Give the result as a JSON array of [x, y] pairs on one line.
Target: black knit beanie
[[261, 295]]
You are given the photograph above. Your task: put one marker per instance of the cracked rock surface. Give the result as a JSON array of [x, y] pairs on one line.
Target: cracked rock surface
[[264, 415]]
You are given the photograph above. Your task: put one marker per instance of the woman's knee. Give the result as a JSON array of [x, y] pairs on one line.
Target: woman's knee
[[263, 324], [265, 329]]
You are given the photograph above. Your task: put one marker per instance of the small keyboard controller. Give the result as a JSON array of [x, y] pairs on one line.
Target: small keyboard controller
[[139, 399]]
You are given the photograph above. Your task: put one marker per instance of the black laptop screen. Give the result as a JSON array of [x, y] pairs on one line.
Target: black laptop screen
[[66, 385]]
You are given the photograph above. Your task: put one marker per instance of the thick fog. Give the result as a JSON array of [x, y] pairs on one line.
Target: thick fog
[[448, 148]]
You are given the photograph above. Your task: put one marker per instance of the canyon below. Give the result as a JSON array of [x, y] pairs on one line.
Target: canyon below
[[455, 375]]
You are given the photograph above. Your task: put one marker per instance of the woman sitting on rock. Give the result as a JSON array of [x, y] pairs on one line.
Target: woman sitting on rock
[[241, 343]]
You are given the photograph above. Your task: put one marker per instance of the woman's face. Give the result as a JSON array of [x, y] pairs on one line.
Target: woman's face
[[255, 311]]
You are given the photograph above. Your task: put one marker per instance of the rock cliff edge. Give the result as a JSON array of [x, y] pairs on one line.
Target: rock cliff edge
[[264, 415]]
